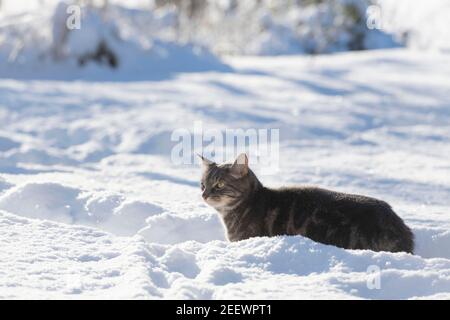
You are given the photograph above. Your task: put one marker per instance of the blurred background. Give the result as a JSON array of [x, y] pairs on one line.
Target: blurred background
[[112, 33]]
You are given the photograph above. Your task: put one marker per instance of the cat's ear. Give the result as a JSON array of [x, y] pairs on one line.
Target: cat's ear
[[205, 162], [239, 168]]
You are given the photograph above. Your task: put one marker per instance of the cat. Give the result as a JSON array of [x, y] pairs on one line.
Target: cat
[[248, 209]]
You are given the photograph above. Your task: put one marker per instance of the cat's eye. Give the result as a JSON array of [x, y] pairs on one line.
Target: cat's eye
[[220, 185]]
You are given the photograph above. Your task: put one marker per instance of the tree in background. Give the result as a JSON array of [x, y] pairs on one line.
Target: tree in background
[[273, 27]]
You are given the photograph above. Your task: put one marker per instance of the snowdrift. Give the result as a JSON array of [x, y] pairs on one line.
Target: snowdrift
[[111, 43], [64, 261], [114, 214]]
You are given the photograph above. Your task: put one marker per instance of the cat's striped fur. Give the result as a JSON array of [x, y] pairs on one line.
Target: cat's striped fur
[[248, 209]]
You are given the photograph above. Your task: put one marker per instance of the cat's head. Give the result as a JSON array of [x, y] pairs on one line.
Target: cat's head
[[226, 185]]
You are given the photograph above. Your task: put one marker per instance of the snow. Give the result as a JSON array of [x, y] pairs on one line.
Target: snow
[[91, 205], [148, 38], [422, 25], [37, 43], [57, 260], [265, 27]]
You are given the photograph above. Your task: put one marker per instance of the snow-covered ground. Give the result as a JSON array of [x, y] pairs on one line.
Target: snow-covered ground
[[91, 205]]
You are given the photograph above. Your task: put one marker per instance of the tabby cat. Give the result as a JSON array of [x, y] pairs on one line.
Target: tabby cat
[[248, 209]]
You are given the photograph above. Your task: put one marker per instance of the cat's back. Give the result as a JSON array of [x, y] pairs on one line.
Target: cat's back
[[343, 219], [324, 197], [323, 203]]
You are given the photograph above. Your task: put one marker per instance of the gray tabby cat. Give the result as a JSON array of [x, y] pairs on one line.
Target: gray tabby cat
[[248, 209]]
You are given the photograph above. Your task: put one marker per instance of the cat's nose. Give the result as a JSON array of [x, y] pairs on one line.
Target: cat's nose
[[205, 195]]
